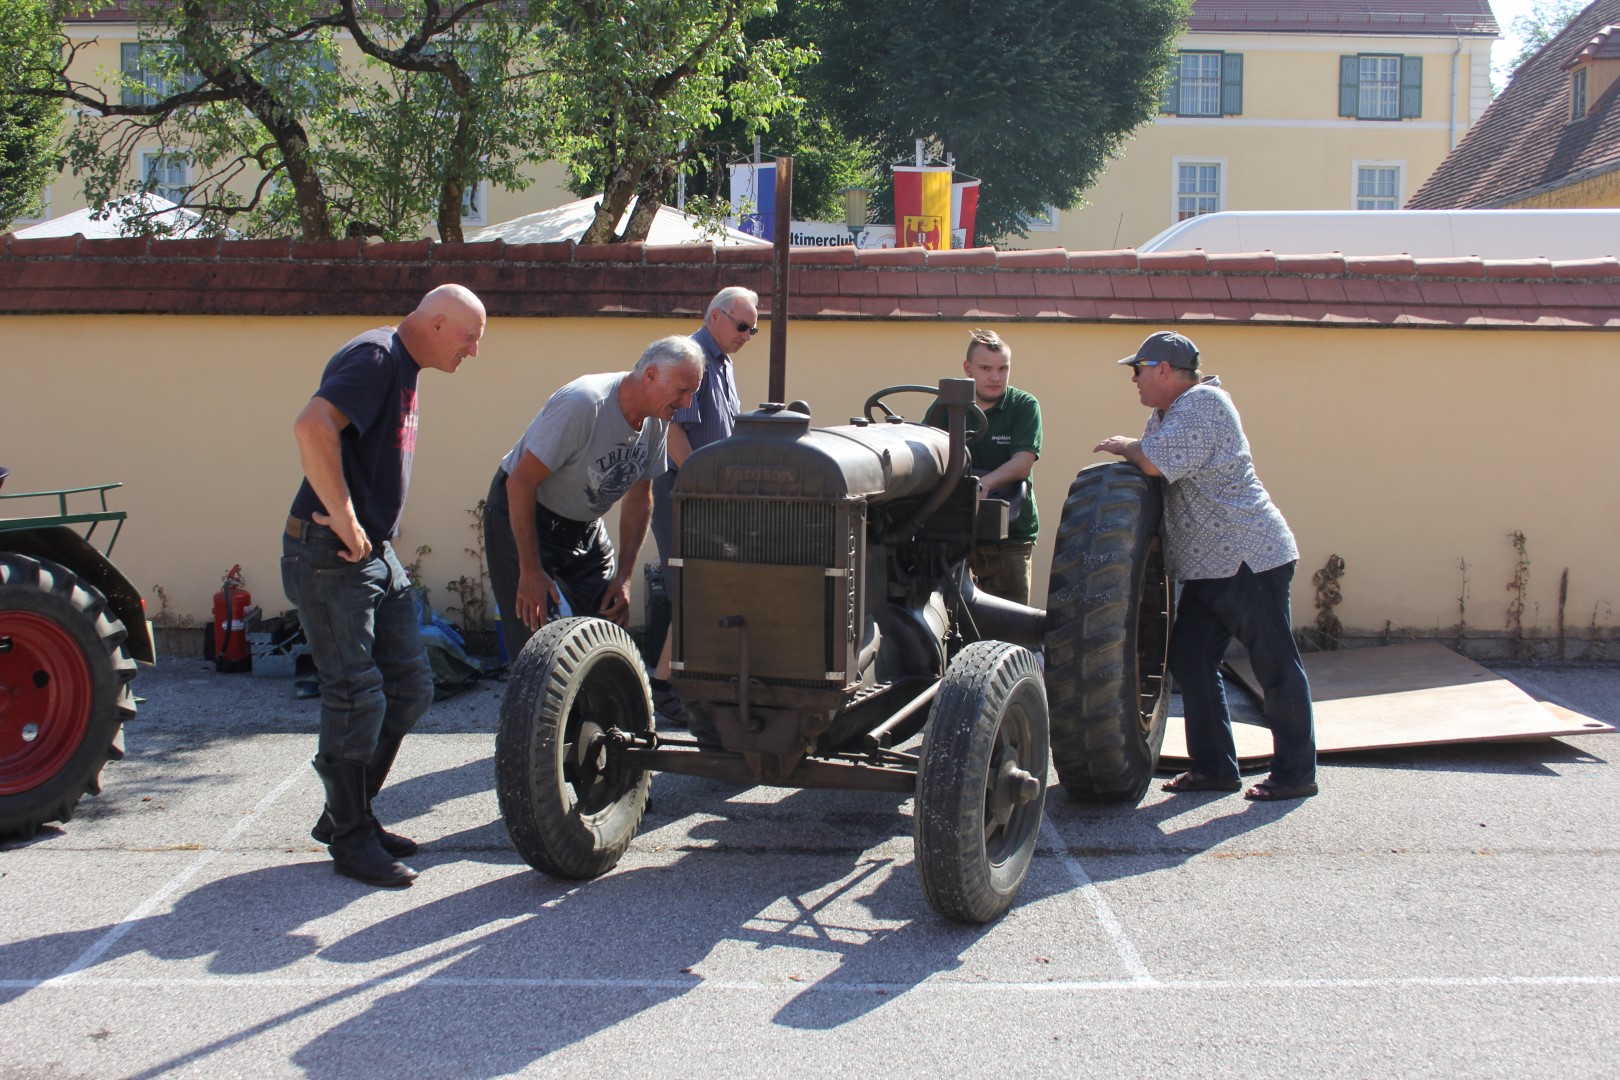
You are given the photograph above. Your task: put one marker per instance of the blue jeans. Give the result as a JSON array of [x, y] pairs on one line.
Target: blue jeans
[[363, 634], [1254, 609]]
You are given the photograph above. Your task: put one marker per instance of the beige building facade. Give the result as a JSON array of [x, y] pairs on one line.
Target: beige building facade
[[1272, 107]]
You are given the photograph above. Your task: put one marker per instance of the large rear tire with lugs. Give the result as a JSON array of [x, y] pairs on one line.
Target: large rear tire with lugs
[[64, 692], [1107, 635], [570, 807]]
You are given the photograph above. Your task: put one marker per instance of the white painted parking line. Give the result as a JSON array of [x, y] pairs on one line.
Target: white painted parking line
[[95, 952], [1099, 906], [429, 981]]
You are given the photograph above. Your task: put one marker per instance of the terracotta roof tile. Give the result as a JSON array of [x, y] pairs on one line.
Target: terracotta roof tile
[[1445, 18], [68, 275], [1526, 142]]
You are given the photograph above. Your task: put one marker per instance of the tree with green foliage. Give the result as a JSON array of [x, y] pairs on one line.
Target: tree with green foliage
[[29, 126], [635, 79], [1032, 96], [1540, 25], [288, 136]]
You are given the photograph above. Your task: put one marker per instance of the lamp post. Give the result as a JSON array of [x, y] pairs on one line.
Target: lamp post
[[855, 211]]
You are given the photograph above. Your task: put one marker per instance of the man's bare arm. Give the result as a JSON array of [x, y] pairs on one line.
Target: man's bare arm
[[319, 433]]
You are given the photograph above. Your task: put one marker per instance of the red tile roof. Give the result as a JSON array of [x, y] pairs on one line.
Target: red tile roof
[[1526, 142], [1448, 18], [72, 275], [1605, 45]]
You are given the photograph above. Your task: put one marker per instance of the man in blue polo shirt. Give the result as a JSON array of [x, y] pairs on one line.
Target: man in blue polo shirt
[[730, 323]]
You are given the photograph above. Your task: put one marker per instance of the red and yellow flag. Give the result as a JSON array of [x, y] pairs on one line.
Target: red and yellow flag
[[922, 207]]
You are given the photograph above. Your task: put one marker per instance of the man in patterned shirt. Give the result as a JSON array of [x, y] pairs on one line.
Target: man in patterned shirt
[[1229, 546]]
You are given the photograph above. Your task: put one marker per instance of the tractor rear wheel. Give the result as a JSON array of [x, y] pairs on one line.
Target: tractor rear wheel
[[981, 782], [64, 692], [1108, 635], [569, 807]]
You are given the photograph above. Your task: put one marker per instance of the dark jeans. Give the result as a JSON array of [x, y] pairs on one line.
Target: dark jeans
[[1003, 570], [578, 556], [363, 634], [1254, 609]]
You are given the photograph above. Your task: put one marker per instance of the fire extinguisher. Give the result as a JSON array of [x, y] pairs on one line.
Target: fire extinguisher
[[231, 603]]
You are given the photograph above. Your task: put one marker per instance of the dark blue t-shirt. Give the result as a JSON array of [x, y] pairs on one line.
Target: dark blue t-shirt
[[372, 381]]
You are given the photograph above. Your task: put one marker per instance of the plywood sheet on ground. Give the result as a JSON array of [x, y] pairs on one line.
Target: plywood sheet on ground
[[1402, 695]]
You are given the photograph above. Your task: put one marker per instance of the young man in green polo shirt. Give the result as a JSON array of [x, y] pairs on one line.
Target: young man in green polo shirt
[[1003, 460]]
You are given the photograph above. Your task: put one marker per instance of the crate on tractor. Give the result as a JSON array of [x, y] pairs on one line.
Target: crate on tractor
[[71, 630], [822, 617]]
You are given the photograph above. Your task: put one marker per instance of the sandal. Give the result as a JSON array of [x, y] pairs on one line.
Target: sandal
[[1266, 791], [1194, 781]]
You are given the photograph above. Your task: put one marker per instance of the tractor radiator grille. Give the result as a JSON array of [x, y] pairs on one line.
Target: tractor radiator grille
[[759, 531]]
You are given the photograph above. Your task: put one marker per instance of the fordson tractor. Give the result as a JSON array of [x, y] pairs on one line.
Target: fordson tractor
[[823, 618]]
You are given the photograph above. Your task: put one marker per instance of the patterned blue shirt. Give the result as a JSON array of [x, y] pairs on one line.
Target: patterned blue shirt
[[1217, 515]]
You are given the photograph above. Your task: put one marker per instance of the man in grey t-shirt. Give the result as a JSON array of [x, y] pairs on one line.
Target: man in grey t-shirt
[[1233, 553], [599, 440]]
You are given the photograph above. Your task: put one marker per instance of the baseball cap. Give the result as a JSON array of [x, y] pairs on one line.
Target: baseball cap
[[1167, 347]]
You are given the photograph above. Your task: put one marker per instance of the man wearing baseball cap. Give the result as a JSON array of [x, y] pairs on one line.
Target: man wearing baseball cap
[[1233, 553]]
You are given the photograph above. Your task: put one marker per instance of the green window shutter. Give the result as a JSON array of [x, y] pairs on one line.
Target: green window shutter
[[1411, 86], [1349, 85], [1172, 89], [1232, 84]]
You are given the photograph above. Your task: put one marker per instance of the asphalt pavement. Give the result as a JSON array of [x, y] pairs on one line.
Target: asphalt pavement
[[1434, 912]]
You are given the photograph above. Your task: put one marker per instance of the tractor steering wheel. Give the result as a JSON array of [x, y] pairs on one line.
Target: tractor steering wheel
[[974, 434]]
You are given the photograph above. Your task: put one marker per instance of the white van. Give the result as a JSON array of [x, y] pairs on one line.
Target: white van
[[1422, 234]]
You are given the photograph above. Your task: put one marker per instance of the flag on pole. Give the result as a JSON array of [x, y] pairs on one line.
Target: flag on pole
[[755, 184], [922, 207], [964, 208]]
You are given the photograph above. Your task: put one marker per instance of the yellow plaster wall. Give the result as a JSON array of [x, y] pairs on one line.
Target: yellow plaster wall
[[1595, 192], [1289, 149], [1405, 452]]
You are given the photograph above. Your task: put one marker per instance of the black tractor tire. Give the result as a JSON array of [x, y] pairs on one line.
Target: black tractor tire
[[64, 692], [1108, 615], [981, 782], [570, 810]]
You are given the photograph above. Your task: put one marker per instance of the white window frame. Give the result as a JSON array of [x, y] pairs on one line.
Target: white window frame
[[1377, 88], [1175, 184], [1202, 85], [1355, 182], [1047, 222], [180, 157], [478, 196], [44, 210]]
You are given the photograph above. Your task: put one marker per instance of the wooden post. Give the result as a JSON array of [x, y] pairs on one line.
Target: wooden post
[[779, 279]]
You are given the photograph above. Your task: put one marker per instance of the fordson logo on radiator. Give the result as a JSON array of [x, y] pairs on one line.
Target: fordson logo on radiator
[[759, 474]]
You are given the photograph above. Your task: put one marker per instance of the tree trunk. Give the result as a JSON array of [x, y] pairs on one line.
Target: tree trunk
[[615, 197], [649, 197]]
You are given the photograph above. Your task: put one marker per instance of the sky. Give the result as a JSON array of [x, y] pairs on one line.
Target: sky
[[1508, 46]]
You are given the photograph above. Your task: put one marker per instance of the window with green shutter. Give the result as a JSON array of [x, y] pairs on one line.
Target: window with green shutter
[[1379, 86], [1204, 84]]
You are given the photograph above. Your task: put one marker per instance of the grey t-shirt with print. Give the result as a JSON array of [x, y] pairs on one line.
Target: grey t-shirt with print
[[1217, 515], [593, 453]]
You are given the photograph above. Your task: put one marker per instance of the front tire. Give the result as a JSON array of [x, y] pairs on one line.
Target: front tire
[[570, 810], [64, 692], [1108, 635], [981, 782]]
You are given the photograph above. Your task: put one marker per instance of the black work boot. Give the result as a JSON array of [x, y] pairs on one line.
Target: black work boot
[[382, 760], [355, 848]]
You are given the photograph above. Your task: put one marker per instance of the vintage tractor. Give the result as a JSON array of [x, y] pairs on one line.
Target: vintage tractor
[[71, 629], [822, 617]]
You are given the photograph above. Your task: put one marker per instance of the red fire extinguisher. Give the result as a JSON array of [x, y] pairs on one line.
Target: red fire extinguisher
[[231, 603]]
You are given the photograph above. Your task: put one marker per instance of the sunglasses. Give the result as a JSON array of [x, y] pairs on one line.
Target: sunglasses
[[743, 327], [1137, 365]]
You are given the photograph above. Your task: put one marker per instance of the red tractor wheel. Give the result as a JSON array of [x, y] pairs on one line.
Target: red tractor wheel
[[64, 692]]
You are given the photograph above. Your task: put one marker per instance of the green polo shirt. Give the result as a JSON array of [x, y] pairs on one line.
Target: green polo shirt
[[1015, 426]]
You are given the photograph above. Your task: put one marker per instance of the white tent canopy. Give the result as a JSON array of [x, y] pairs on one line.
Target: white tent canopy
[[180, 222], [570, 220]]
